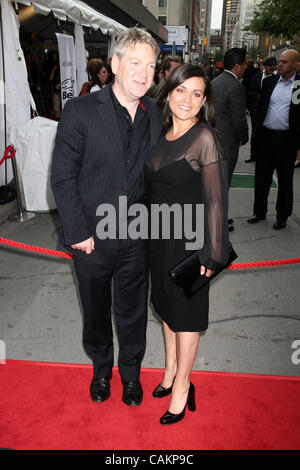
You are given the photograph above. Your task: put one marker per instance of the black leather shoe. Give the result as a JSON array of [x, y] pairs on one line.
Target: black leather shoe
[[255, 219], [132, 393], [100, 389], [170, 418], [161, 392], [279, 224]]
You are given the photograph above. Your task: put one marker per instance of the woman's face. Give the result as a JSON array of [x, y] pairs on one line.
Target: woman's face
[[186, 100], [103, 75]]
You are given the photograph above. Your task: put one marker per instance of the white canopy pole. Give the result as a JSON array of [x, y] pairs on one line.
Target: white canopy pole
[[3, 179], [80, 55], [17, 91], [111, 46]]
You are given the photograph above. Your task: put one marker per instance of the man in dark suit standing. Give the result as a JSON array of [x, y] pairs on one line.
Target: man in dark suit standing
[[102, 141], [253, 92], [278, 114], [230, 106]]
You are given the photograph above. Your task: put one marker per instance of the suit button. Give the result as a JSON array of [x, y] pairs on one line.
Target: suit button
[[124, 188]]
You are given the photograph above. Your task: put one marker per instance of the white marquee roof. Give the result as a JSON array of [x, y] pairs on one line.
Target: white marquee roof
[[77, 12]]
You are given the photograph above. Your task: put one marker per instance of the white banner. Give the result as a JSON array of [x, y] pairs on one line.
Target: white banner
[[67, 65]]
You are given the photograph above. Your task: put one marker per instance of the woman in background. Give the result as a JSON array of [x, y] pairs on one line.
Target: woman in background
[[99, 75], [100, 78]]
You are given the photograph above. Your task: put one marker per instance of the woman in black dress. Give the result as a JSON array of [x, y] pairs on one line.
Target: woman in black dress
[[186, 167]]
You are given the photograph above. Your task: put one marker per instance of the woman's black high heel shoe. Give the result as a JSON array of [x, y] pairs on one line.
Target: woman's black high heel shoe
[[170, 418], [160, 392]]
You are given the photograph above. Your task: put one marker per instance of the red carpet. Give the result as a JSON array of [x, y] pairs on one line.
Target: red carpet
[[46, 406]]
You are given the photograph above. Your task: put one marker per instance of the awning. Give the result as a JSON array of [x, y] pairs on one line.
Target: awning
[[76, 11]]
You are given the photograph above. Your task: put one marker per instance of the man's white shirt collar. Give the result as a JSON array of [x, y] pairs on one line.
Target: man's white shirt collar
[[291, 79], [231, 73]]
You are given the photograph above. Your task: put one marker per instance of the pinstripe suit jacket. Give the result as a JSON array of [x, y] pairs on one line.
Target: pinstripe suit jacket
[[88, 165]]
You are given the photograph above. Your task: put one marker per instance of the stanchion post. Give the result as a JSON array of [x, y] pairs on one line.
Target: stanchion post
[[22, 216]]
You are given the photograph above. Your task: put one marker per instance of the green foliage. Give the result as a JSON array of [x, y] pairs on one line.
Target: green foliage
[[276, 17], [254, 52]]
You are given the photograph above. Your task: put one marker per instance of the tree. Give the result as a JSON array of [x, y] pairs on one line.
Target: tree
[[276, 17], [254, 52]]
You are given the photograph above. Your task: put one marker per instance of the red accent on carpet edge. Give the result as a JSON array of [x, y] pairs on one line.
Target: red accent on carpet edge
[[46, 406]]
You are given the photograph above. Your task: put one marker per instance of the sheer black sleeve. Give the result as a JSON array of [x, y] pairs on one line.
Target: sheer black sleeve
[[205, 155]]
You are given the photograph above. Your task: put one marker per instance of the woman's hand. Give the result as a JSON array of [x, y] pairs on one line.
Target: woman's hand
[[87, 246], [205, 271]]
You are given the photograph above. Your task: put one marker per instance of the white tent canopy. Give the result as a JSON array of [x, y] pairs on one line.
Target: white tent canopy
[[76, 12], [14, 88]]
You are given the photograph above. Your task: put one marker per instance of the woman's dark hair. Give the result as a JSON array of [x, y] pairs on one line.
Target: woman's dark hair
[[176, 78], [94, 75]]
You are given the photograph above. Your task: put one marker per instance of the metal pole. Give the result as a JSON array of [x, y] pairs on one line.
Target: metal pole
[[22, 216], [4, 103], [173, 49]]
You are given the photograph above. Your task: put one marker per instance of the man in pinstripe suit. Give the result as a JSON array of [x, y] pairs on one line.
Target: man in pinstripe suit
[[102, 141]]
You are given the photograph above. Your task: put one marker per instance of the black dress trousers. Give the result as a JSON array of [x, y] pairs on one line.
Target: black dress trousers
[[277, 151], [119, 282]]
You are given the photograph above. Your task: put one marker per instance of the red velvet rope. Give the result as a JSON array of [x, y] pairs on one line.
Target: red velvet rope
[[36, 249], [62, 254], [6, 153]]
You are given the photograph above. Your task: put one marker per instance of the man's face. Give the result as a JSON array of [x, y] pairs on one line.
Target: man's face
[[288, 64], [269, 69], [134, 71], [173, 66]]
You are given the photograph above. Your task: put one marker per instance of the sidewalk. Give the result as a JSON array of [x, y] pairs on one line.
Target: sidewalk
[[254, 314]]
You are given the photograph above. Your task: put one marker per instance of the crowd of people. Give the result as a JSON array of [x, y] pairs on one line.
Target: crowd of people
[[233, 100], [118, 143]]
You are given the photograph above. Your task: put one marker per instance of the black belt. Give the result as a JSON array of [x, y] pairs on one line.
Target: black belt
[[275, 132]]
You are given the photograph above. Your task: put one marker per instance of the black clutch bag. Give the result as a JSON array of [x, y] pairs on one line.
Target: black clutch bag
[[186, 275]]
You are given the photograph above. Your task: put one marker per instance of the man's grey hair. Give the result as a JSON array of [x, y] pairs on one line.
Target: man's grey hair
[[133, 36]]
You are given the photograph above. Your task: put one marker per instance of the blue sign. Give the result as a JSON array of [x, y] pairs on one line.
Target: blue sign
[[168, 48]]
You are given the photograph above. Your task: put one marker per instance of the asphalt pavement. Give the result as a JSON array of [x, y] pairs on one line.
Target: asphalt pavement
[[254, 313]]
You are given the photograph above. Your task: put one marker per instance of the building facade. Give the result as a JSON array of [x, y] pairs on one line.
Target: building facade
[[194, 14], [240, 37], [171, 12], [230, 16], [130, 14]]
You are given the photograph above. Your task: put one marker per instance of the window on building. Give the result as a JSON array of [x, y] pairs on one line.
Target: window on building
[[162, 20], [162, 3]]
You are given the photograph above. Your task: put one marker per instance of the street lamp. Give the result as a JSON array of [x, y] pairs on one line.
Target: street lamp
[[185, 51]]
